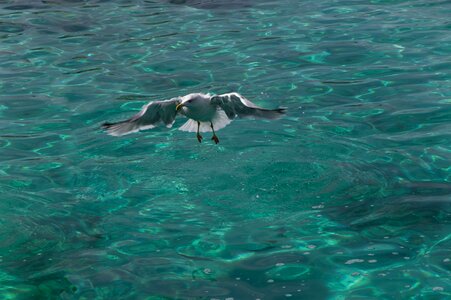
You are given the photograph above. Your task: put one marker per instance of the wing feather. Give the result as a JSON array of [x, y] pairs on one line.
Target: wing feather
[[150, 115], [235, 105]]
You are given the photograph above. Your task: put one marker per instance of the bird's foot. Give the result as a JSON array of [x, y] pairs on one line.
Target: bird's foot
[[199, 138], [215, 138]]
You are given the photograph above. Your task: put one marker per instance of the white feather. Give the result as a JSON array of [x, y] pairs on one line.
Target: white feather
[[220, 120], [189, 126]]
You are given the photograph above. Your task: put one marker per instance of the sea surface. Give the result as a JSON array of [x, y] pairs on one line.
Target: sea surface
[[348, 196]]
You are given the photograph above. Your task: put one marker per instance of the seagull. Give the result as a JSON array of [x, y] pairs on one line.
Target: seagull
[[205, 113]]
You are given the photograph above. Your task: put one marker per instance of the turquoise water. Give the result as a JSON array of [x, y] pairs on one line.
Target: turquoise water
[[347, 197]]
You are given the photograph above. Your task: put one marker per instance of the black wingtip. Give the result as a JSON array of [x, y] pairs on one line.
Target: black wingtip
[[106, 125]]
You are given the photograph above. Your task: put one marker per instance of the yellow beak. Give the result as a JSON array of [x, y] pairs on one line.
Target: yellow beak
[[179, 106]]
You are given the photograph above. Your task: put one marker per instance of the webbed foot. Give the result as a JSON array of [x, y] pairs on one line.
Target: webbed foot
[[215, 138]]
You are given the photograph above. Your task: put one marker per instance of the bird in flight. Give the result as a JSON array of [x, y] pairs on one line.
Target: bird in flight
[[205, 113]]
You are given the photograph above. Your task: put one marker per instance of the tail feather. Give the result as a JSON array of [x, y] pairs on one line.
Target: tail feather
[[219, 121]]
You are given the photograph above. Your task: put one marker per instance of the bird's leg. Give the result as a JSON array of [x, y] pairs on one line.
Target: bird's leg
[[199, 137], [214, 137]]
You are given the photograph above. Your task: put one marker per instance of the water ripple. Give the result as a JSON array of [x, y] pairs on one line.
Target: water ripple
[[345, 197]]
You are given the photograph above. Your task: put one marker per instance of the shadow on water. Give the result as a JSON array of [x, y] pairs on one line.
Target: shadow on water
[[411, 204], [43, 263]]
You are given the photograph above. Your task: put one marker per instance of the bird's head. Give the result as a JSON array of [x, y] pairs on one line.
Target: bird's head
[[190, 101]]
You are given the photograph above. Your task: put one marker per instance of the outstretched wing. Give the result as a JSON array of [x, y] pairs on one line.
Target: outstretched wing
[[236, 105], [150, 115]]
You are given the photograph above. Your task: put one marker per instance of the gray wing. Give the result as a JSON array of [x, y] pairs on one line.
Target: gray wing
[[150, 115], [236, 105]]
